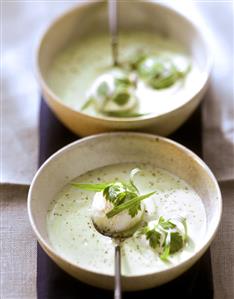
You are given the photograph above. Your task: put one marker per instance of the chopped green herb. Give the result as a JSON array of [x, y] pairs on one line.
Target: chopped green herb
[[154, 238], [166, 79], [123, 82], [118, 193], [132, 174], [165, 254], [88, 103], [157, 71], [123, 196], [137, 59], [125, 114], [150, 67], [166, 224], [115, 94], [133, 206], [166, 236], [121, 98], [177, 242], [103, 89]]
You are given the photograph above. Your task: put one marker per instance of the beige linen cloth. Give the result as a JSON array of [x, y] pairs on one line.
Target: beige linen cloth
[[22, 23]]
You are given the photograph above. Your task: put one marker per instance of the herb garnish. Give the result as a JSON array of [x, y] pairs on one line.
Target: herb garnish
[[114, 94], [159, 72], [103, 89], [166, 236], [125, 114], [132, 205], [88, 103], [122, 195]]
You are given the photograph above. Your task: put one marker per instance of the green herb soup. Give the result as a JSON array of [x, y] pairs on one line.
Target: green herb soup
[[73, 236], [162, 75]]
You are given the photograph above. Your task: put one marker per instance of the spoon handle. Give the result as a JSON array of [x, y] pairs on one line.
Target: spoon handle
[[113, 27], [118, 292]]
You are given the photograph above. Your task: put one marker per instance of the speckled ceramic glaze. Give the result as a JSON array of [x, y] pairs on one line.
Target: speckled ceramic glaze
[[111, 148], [92, 17]]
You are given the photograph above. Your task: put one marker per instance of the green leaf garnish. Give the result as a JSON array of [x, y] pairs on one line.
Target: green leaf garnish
[[150, 67], [123, 82], [103, 89], [119, 192], [154, 238], [125, 114], [133, 206], [132, 174], [165, 236], [165, 254], [123, 195], [88, 103], [121, 98], [137, 59], [177, 242], [166, 79], [115, 94], [166, 224], [159, 72]]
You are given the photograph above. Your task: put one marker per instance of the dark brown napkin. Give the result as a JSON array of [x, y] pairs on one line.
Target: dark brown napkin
[[54, 283]]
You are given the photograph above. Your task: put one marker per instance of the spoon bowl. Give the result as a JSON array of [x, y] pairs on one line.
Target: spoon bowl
[[117, 238], [117, 235]]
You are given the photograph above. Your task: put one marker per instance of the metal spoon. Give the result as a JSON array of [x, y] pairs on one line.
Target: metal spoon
[[113, 28], [118, 238]]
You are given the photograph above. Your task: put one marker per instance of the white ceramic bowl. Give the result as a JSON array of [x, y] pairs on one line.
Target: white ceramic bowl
[[92, 17], [111, 148]]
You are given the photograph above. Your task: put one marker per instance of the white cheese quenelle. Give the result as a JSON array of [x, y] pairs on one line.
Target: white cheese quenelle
[[116, 225], [111, 98]]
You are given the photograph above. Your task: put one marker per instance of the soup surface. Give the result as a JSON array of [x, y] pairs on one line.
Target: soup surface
[[74, 70], [74, 237]]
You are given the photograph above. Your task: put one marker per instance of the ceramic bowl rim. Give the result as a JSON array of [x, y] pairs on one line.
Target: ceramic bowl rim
[[199, 251], [108, 119]]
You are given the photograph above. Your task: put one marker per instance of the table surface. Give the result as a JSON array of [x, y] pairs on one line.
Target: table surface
[[23, 22]]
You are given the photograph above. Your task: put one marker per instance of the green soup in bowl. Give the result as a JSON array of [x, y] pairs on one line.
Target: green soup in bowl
[[178, 183], [163, 71]]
